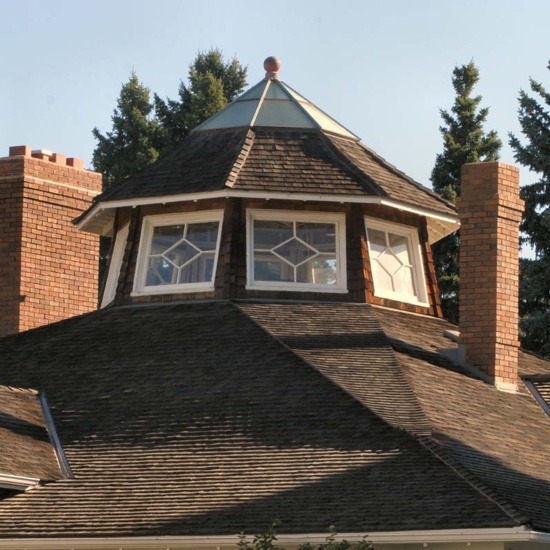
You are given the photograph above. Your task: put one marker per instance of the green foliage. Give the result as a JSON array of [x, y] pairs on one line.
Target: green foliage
[[534, 118], [213, 83], [267, 539], [142, 130], [464, 140], [132, 143]]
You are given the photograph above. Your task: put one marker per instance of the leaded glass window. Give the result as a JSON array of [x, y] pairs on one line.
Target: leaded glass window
[[178, 252], [396, 262], [296, 250]]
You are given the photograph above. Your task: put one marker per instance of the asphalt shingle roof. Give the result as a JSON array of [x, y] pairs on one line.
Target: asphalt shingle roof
[[27, 448], [210, 418], [275, 161], [502, 438]]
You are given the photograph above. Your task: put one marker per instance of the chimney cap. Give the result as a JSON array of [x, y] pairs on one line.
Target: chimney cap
[[45, 152]]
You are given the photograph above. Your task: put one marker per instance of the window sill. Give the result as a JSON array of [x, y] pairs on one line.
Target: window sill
[[172, 290], [294, 288], [402, 299]]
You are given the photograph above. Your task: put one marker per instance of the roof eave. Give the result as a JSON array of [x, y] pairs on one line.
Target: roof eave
[[99, 219], [18, 483], [441, 536]]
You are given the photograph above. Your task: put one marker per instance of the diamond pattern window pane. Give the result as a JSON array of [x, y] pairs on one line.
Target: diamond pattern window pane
[[321, 236], [181, 253], [382, 279], [203, 235], [268, 234], [160, 272], [377, 241], [318, 271], [404, 282], [392, 264], [164, 237], [400, 247], [295, 252]]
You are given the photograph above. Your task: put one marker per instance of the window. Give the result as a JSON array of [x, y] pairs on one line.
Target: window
[[296, 251], [396, 262], [178, 252], [115, 264]]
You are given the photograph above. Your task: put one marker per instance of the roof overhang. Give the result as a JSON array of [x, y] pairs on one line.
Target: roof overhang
[[443, 536], [100, 218], [17, 483]]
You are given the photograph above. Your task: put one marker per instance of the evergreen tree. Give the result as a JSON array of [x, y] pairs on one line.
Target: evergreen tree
[[464, 140], [130, 146], [213, 83], [142, 130], [133, 141], [534, 118]]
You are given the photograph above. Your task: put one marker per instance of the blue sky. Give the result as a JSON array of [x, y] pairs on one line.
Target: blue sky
[[382, 69]]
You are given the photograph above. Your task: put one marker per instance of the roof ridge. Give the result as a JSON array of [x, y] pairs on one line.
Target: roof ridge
[[440, 452], [392, 168], [240, 161], [347, 164]]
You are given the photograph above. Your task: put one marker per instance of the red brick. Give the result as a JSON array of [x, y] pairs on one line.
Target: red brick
[[49, 269]]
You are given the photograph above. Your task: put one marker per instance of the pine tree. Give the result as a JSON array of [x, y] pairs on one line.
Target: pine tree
[[133, 141], [464, 140], [213, 83], [534, 118]]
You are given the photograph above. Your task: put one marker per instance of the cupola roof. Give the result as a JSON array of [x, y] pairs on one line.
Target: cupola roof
[[273, 104], [271, 142]]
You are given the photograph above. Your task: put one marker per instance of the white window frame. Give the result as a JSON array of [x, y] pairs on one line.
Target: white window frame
[[411, 234], [149, 224], [115, 264], [339, 221]]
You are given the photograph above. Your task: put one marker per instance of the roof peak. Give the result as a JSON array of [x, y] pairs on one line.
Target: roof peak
[[272, 66], [271, 103]]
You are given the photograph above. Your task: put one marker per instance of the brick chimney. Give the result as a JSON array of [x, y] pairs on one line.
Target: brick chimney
[[48, 269], [490, 212]]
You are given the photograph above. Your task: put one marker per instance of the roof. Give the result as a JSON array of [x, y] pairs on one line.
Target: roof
[[273, 162], [213, 417], [271, 142], [24, 431], [273, 104]]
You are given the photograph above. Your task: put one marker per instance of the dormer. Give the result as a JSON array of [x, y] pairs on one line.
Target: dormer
[[271, 198]]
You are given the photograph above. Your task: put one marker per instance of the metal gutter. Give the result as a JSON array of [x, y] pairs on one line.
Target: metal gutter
[[17, 483], [56, 442], [442, 536]]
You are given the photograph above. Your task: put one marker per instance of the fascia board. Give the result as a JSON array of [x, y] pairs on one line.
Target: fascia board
[[226, 542], [17, 483], [308, 197]]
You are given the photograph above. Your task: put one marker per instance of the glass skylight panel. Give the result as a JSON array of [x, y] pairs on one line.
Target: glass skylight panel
[[276, 91], [255, 92], [282, 114], [236, 115], [325, 122]]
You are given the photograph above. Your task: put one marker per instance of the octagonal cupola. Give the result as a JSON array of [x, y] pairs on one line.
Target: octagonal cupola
[[272, 198]]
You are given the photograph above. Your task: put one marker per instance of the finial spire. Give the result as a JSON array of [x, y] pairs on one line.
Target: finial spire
[[272, 66]]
